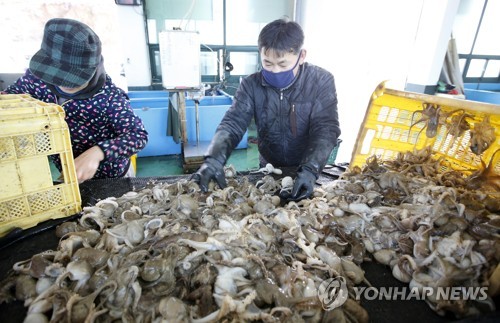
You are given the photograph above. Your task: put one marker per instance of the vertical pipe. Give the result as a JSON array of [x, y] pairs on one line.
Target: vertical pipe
[[182, 115], [468, 60], [197, 115]]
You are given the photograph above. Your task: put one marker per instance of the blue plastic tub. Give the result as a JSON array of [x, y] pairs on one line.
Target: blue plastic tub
[[152, 108]]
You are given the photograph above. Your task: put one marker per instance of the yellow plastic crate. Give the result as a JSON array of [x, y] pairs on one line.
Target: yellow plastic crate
[[30, 131], [386, 130]]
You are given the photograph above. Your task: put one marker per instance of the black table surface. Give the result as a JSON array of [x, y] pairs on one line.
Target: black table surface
[[21, 245]]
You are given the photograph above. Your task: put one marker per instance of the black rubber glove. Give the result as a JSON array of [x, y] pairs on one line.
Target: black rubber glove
[[211, 169], [303, 186]]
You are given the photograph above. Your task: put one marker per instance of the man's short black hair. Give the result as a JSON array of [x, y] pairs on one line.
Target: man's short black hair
[[282, 36]]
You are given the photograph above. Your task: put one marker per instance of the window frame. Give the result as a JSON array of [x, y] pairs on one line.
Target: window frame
[[468, 58], [223, 78]]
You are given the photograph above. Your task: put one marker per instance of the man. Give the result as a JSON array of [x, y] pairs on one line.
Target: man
[[68, 70], [294, 105]]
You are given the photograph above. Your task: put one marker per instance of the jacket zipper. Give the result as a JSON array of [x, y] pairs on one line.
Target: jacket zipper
[[282, 122], [293, 121]]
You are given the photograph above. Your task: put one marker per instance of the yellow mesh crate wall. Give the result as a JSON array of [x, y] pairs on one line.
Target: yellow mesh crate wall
[[30, 131], [390, 114]]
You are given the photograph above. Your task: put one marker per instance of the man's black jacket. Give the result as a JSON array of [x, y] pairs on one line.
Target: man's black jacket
[[296, 126]]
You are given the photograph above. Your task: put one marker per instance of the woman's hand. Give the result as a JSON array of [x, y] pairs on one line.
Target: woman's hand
[[87, 163]]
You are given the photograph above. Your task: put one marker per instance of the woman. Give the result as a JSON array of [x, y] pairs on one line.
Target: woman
[[68, 70]]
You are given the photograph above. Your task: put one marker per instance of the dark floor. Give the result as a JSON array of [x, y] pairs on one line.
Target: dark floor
[[241, 159]]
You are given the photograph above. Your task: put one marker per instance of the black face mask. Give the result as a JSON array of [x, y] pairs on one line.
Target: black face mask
[[63, 94], [280, 80]]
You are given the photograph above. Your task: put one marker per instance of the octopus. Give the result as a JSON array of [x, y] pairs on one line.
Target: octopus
[[169, 252], [486, 176], [458, 123], [482, 136], [430, 116]]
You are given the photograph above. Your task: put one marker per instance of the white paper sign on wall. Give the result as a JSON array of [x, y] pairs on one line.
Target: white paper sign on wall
[[180, 59]]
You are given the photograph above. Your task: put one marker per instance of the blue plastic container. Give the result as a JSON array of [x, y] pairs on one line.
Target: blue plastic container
[[152, 108], [209, 118], [482, 96]]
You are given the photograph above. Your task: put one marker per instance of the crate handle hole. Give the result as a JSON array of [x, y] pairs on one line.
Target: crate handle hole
[[365, 148]]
